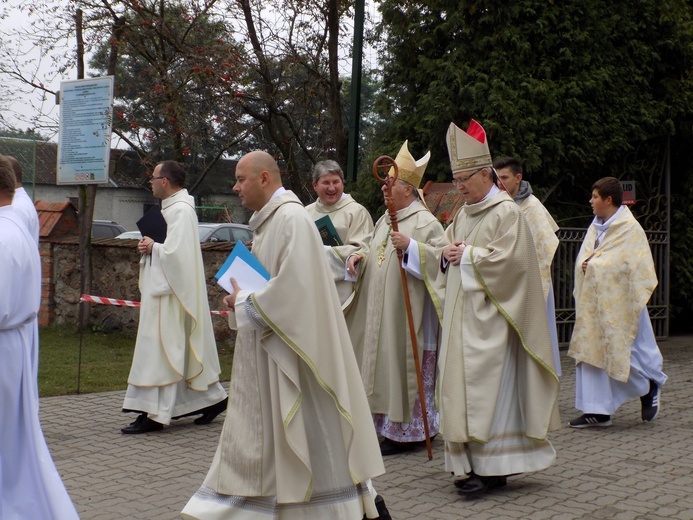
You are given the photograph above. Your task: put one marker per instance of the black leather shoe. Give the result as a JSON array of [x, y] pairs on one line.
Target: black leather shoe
[[383, 513], [210, 413], [388, 447], [477, 484], [196, 412], [461, 482], [142, 424]]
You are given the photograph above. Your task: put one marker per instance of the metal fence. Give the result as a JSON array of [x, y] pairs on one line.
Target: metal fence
[[24, 150], [563, 270]]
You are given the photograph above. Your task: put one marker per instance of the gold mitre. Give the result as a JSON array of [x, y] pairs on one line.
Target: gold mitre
[[408, 169], [468, 150]]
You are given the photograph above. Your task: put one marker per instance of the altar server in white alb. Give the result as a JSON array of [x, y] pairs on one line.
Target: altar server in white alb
[[497, 386], [175, 368], [298, 442], [25, 208], [350, 219], [613, 342], [30, 486]]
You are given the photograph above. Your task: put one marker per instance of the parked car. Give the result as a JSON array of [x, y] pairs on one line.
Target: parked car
[[106, 229], [224, 232], [130, 234]]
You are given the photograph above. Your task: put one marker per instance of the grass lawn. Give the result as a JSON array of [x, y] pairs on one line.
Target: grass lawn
[[105, 365]]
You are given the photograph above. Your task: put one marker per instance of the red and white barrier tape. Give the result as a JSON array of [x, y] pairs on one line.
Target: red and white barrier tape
[[108, 301], [127, 303]]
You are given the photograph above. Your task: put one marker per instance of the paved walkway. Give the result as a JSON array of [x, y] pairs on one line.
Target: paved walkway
[[632, 470]]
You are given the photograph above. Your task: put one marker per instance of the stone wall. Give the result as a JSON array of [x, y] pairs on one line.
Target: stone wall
[[115, 275], [47, 310]]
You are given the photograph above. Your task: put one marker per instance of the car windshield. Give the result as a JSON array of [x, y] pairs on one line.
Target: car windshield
[[130, 234]]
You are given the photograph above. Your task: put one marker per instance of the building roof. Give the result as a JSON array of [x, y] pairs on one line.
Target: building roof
[[57, 218]]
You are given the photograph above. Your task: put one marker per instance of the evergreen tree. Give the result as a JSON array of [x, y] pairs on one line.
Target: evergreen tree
[[575, 90], [566, 87]]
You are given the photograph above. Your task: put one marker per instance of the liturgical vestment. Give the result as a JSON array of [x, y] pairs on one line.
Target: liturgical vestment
[[610, 296], [498, 386], [380, 331], [546, 242], [298, 441], [23, 204], [175, 369], [612, 321], [354, 225], [30, 486]]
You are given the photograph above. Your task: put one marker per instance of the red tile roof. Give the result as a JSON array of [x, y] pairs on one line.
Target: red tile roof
[[57, 218]]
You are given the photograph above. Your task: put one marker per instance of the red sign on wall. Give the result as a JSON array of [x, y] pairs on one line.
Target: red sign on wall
[[628, 192]]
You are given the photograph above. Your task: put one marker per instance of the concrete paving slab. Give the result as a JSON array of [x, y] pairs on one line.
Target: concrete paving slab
[[631, 470]]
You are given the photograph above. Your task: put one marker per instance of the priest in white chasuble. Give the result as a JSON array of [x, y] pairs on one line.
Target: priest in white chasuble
[[298, 441], [30, 485], [613, 342], [378, 318], [175, 367], [351, 221], [497, 386], [543, 226]]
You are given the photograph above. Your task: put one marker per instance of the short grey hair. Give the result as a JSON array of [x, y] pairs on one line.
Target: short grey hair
[[414, 191], [324, 167]]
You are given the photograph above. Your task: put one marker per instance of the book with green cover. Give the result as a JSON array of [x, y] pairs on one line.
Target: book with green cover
[[328, 233]]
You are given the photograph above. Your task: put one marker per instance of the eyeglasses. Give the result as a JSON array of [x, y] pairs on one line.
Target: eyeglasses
[[458, 182], [157, 178]]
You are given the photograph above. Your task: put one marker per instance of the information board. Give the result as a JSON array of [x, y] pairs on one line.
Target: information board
[[628, 192], [86, 115]]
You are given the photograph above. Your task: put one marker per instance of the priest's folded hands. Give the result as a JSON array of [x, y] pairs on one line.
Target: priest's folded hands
[[453, 252]]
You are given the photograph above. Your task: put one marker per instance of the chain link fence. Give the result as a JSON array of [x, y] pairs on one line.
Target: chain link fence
[[24, 150]]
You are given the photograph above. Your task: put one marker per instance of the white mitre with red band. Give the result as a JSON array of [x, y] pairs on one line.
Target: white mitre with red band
[[468, 150]]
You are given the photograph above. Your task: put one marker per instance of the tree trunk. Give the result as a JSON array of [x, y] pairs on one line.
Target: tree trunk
[[339, 135]]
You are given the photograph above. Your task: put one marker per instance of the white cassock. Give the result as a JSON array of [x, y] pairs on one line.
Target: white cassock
[[23, 205], [30, 486], [175, 367]]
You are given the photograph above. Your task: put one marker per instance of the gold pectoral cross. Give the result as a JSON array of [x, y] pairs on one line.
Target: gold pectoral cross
[[382, 247]]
